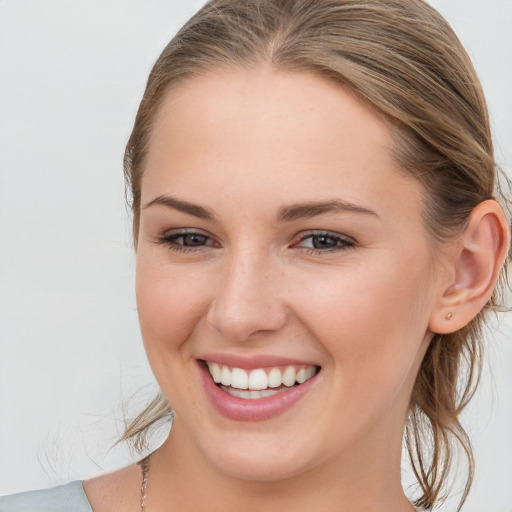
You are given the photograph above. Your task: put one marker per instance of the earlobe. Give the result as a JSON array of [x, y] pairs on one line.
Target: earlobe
[[476, 265]]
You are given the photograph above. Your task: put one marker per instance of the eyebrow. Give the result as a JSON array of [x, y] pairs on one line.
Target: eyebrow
[[312, 209], [285, 213], [183, 206]]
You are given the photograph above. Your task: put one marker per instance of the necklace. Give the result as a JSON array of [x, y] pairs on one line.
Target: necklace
[[144, 466]]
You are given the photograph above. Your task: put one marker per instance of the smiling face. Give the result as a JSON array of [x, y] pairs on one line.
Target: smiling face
[[280, 243]]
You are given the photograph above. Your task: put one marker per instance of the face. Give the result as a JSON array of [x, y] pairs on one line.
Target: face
[[280, 246]]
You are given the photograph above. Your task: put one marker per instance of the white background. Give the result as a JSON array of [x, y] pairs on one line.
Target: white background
[[71, 76]]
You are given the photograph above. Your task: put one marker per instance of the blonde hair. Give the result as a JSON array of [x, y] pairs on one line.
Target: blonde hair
[[404, 61]]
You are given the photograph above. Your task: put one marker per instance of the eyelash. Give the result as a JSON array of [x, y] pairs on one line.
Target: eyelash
[[342, 243], [170, 241]]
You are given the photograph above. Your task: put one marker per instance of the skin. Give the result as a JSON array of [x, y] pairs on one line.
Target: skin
[[244, 144]]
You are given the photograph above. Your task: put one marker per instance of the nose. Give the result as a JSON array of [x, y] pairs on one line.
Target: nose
[[249, 299]]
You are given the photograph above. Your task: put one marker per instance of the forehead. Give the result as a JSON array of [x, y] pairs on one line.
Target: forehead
[[265, 108], [258, 134]]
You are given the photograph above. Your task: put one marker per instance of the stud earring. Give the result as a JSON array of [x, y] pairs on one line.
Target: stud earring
[[449, 316]]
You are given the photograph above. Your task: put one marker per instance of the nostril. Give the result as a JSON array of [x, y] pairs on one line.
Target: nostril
[[241, 324]]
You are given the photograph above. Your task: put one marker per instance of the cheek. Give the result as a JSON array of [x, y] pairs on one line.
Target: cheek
[[371, 327], [369, 321], [170, 304], [170, 307]]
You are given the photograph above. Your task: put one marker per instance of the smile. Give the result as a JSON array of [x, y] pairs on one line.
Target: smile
[[259, 382], [258, 387]]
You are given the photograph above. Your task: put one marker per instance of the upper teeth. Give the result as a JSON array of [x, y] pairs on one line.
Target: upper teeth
[[260, 378]]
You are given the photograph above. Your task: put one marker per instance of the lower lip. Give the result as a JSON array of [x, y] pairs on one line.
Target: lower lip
[[257, 409]]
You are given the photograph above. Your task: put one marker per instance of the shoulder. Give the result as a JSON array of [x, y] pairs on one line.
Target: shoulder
[[114, 492], [64, 498]]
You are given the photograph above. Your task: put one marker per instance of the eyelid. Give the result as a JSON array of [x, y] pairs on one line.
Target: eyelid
[[323, 232], [185, 231]]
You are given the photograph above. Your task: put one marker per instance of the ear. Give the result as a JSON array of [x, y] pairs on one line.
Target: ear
[[474, 268]]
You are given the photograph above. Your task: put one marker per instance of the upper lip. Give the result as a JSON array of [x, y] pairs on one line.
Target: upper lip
[[250, 362]]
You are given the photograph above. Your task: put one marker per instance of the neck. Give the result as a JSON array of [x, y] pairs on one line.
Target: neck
[[367, 479]]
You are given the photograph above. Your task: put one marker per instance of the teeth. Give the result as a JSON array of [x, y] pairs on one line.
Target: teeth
[[302, 376], [251, 395], [215, 372], [289, 376], [239, 378], [258, 381], [274, 378], [225, 376]]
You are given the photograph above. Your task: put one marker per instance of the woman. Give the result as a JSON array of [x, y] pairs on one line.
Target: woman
[[319, 241]]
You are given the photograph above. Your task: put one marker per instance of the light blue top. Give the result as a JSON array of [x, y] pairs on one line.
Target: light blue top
[[64, 498]]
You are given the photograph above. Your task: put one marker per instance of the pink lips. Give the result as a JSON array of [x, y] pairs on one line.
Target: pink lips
[[258, 409]]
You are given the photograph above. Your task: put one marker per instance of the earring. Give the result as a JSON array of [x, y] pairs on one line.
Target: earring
[[449, 316]]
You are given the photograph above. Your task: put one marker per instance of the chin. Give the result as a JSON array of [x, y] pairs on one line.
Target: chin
[[259, 456], [261, 465]]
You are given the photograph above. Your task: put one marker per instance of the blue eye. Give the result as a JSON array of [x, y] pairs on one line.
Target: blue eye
[[188, 241], [324, 242], [191, 239], [311, 243]]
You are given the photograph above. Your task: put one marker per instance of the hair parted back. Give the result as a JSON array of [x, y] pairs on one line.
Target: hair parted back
[[402, 59]]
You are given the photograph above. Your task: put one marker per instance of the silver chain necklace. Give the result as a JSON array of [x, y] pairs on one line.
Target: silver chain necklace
[[144, 466]]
